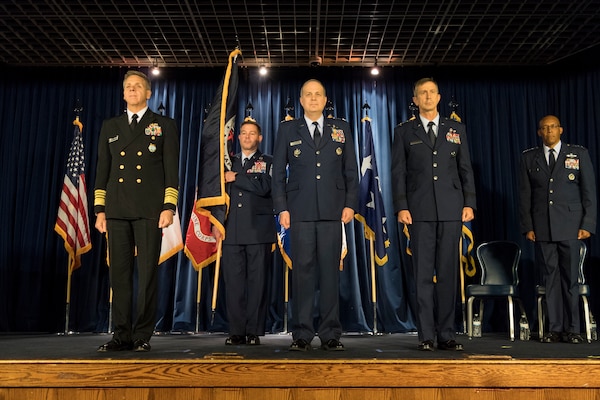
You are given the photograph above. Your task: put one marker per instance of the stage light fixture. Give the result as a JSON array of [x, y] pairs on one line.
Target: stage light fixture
[[155, 69], [262, 70], [375, 70]]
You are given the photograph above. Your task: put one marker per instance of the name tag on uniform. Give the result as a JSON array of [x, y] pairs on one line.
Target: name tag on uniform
[[416, 142], [113, 139], [296, 143]]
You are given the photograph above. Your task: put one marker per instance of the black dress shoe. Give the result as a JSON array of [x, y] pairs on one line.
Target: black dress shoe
[[450, 345], [427, 345], [114, 345], [235, 340], [333, 345], [252, 340], [551, 337], [574, 338], [300, 345], [141, 345]]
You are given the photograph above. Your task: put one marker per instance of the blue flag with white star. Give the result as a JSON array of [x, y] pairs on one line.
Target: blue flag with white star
[[371, 212]]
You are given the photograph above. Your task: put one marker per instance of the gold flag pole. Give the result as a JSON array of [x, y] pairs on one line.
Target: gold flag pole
[[373, 284], [68, 297], [216, 282], [462, 285], [286, 300], [198, 292], [110, 304]]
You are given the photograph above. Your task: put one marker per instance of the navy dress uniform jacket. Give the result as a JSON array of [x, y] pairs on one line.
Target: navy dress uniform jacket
[[136, 179], [137, 172], [555, 205], [250, 219], [433, 183], [315, 190]]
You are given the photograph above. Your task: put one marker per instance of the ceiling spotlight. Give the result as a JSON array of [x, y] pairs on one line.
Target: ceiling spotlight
[[375, 70], [262, 70], [155, 70]]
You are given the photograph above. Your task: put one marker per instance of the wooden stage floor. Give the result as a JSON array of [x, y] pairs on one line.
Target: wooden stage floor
[[200, 366]]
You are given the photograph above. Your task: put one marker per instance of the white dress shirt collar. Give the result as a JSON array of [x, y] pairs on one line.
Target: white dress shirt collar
[[556, 148], [436, 122], [140, 114], [311, 127]]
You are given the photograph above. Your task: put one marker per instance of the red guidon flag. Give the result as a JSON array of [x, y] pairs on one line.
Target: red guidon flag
[[213, 200], [200, 243]]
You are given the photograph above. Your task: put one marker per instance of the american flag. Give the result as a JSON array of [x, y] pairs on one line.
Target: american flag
[[72, 221]]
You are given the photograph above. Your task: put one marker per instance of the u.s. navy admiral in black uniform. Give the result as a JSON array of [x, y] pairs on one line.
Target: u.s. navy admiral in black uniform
[[557, 209], [249, 238], [433, 193], [135, 196], [321, 191]]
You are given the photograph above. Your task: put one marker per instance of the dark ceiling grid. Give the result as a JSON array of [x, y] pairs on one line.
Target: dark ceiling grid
[[188, 33]]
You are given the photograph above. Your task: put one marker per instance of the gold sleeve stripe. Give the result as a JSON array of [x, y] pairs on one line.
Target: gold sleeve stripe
[[171, 195], [99, 197]]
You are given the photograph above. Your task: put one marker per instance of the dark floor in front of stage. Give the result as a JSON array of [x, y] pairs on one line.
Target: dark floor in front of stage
[[275, 347]]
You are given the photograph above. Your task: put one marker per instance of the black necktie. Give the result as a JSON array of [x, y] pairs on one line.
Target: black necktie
[[316, 134], [133, 124], [430, 132], [245, 164], [551, 159]]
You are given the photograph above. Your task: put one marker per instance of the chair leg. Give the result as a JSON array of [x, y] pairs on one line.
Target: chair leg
[[481, 312], [541, 319], [470, 317], [588, 322], [511, 318], [522, 317], [593, 327]]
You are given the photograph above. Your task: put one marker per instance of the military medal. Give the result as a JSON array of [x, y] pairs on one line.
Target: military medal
[[259, 167], [338, 135], [571, 177], [152, 148], [572, 163], [297, 153], [452, 136], [153, 129], [338, 151]]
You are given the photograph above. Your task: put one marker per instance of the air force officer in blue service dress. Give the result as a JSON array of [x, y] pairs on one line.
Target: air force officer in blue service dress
[[433, 193], [558, 209], [135, 196], [249, 239], [321, 191]]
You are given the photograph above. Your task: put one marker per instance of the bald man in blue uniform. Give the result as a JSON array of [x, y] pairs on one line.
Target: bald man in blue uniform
[[558, 209], [319, 194]]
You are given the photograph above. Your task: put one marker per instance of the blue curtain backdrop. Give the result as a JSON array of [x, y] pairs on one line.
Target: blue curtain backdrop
[[501, 108]]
